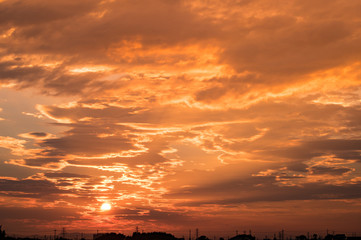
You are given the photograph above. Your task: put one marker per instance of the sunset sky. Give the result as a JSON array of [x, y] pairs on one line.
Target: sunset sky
[[222, 115]]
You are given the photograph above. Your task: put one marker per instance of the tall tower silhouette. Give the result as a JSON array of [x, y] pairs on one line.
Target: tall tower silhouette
[[196, 233]]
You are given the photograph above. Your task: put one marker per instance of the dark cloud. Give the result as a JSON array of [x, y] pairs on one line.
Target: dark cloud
[[330, 170], [281, 44], [42, 161], [38, 213], [64, 175], [38, 134], [90, 28], [335, 145], [56, 81], [292, 41], [25, 75], [344, 148], [349, 155], [38, 12], [86, 144], [159, 216], [224, 194], [37, 188]]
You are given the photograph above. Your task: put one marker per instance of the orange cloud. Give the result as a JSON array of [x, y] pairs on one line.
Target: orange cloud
[[180, 114]]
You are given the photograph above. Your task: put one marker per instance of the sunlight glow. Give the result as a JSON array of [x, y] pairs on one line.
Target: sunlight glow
[[87, 69], [105, 207]]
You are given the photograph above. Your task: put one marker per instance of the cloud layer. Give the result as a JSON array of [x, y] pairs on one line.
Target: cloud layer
[[219, 115]]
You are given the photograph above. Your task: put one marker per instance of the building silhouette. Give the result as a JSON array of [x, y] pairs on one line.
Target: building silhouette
[[2, 233], [167, 236], [243, 237]]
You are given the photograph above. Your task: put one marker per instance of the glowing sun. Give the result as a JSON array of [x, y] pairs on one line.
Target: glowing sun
[[105, 207]]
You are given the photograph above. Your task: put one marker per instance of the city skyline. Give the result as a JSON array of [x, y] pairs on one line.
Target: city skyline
[[190, 234], [180, 114]]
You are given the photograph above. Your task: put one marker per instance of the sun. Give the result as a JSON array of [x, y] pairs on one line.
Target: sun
[[105, 207]]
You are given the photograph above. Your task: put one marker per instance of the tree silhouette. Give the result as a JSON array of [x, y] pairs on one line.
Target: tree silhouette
[[2, 233]]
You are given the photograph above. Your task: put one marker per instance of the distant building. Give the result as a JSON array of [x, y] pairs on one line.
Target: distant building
[[154, 236], [243, 237], [339, 237], [109, 236], [2, 233], [202, 238], [302, 237]]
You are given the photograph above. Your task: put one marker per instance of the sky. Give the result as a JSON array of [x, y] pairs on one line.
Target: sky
[[181, 114]]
